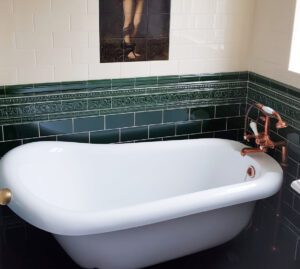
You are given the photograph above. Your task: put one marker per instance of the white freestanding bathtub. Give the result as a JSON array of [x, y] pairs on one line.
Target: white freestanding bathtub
[[133, 205]]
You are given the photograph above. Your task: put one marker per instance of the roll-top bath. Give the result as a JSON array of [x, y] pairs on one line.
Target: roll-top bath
[[81, 190]]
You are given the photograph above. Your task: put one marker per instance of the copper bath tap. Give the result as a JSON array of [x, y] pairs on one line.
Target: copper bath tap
[[263, 140]]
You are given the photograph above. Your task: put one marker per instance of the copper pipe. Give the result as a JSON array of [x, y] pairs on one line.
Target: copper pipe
[[246, 151], [263, 140], [284, 156]]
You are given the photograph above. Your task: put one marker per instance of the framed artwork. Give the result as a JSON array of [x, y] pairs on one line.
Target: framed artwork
[[134, 30]]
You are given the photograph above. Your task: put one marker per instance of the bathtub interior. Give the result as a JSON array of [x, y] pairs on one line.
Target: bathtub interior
[[104, 177]]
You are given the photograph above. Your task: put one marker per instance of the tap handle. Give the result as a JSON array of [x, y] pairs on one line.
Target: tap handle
[[253, 126], [268, 110]]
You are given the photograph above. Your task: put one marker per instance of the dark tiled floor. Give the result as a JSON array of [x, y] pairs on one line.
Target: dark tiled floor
[[252, 249], [42, 251]]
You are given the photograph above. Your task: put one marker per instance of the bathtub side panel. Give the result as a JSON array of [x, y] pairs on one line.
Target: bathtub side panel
[[156, 243]]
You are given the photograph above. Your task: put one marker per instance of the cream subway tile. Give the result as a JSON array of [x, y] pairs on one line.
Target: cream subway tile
[[93, 6], [85, 55], [200, 7], [176, 7], [217, 65], [8, 40], [24, 22], [7, 22], [8, 76], [105, 70], [71, 40], [69, 6], [162, 68], [52, 22], [84, 23], [190, 67], [6, 7], [36, 74], [94, 40], [31, 40], [53, 56], [16, 57], [31, 6], [70, 72], [135, 69]]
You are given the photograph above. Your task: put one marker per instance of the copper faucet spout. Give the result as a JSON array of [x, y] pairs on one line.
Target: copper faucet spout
[[246, 151]]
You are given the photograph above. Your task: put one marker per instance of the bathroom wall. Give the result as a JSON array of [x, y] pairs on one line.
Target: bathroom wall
[[271, 40], [58, 40], [277, 223]]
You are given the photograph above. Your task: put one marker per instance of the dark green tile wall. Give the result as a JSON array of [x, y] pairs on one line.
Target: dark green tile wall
[[279, 216]]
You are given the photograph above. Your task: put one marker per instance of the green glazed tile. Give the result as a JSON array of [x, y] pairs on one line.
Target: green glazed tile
[[48, 107], [209, 77], [229, 76], [189, 78], [79, 138], [73, 85], [214, 125], [105, 137], [175, 115], [76, 105], [15, 90], [135, 133], [48, 128], [161, 130], [2, 92], [43, 88], [39, 139], [104, 84], [88, 124], [146, 82], [119, 121], [100, 103], [200, 113], [19, 131], [227, 110], [188, 128], [123, 83], [145, 118], [168, 80]]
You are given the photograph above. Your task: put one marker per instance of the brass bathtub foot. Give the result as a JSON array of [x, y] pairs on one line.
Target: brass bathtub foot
[[5, 196]]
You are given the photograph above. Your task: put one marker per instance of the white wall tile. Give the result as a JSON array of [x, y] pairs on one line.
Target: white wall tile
[[137, 69], [58, 34], [71, 72], [16, 57], [163, 68], [272, 35], [85, 22], [71, 40], [69, 6], [93, 6], [85, 56], [48, 22], [8, 40], [94, 39], [32, 40], [6, 6], [8, 76], [53, 56], [31, 6], [38, 73], [106, 70]]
